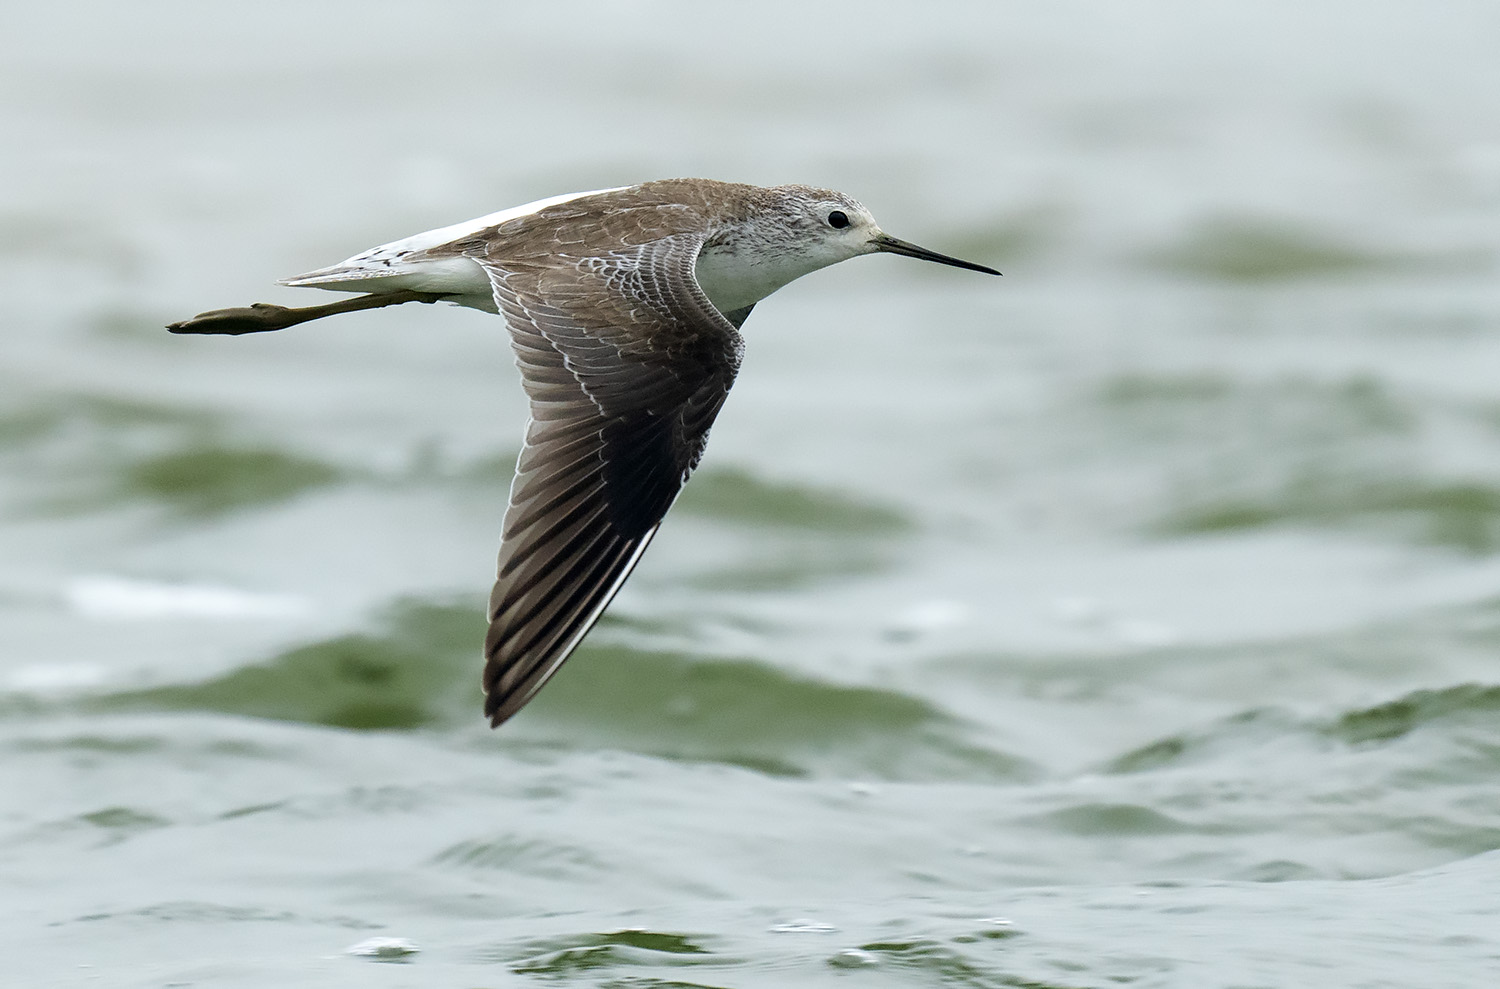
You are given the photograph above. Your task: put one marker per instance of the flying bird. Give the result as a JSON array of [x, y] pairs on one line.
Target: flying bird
[[624, 308]]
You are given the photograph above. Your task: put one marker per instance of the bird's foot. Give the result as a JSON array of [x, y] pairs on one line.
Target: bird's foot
[[257, 318]]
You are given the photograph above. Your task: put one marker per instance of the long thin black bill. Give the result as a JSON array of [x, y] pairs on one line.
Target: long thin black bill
[[891, 245]]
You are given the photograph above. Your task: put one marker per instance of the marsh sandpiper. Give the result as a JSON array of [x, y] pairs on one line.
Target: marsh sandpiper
[[624, 308]]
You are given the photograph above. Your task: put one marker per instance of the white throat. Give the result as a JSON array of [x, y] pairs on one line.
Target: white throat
[[736, 276]]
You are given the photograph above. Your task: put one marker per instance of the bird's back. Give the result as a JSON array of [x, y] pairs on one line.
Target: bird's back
[[562, 229]]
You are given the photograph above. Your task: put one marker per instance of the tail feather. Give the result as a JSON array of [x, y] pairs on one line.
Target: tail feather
[[383, 272], [333, 274]]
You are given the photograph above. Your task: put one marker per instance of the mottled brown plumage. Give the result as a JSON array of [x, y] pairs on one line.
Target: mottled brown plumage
[[624, 308]]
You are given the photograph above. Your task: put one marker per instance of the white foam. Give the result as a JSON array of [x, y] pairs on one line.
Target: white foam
[[121, 597], [383, 948], [55, 678]]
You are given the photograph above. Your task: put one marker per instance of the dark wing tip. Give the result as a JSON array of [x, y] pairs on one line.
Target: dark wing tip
[[502, 704], [530, 638], [495, 707]]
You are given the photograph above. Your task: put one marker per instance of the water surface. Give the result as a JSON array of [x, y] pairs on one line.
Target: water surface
[[1131, 620]]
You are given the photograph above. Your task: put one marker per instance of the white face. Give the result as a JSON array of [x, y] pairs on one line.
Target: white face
[[845, 229]]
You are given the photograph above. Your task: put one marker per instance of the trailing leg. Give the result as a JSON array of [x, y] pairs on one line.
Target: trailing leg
[[262, 317]]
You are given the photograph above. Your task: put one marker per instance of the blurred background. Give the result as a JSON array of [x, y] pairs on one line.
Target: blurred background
[[1131, 619]]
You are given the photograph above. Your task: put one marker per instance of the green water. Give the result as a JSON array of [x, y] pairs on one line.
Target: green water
[[1131, 620]]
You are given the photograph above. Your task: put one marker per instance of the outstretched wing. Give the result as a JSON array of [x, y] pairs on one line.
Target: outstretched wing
[[626, 364]]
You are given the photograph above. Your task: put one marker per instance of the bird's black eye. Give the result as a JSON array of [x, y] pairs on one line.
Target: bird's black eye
[[838, 220]]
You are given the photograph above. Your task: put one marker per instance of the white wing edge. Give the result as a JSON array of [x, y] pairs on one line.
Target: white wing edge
[[561, 655]]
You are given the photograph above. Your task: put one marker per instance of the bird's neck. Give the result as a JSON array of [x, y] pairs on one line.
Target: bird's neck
[[738, 274]]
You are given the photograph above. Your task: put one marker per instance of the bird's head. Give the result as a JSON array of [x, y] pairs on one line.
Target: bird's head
[[833, 227]]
